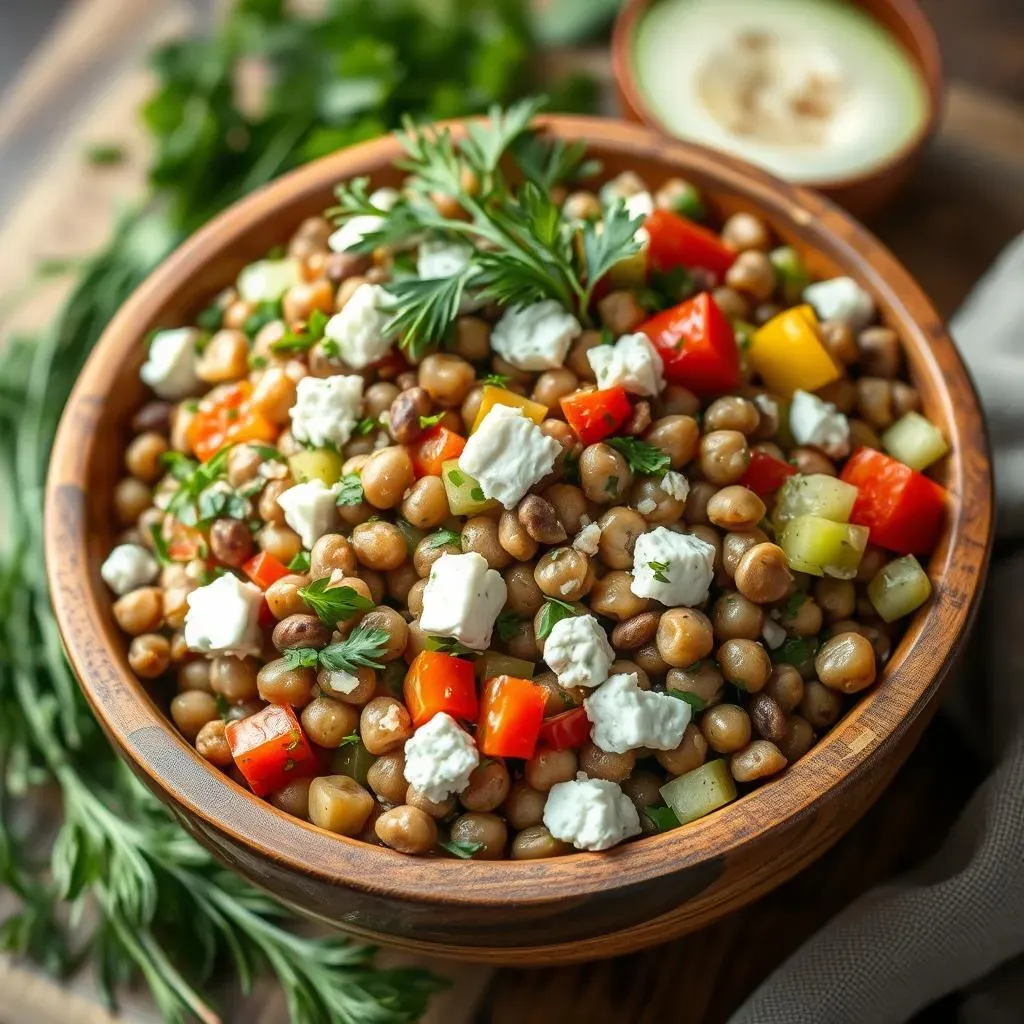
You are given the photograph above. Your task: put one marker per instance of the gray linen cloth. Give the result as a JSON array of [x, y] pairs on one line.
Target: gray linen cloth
[[956, 923]]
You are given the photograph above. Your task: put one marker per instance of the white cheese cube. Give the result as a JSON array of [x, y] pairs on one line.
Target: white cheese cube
[[355, 229], [772, 633], [439, 758], [841, 299], [507, 454], [588, 539], [675, 485], [267, 280], [535, 337], [639, 204], [578, 652], [327, 409], [632, 363], [170, 368], [439, 258], [624, 717], [128, 567], [673, 568], [592, 814], [360, 328], [223, 618], [818, 423], [310, 509], [462, 599]]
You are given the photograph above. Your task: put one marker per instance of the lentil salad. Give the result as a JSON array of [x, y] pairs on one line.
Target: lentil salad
[[501, 520]]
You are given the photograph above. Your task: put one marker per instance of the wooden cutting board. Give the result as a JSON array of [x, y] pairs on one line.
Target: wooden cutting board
[[84, 86]]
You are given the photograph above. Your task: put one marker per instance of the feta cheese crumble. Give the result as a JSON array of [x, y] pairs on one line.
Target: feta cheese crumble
[[223, 618], [439, 758], [592, 814], [310, 509], [327, 409], [462, 598], [338, 680], [624, 717], [359, 327], [818, 423], [773, 634], [437, 258], [588, 539], [170, 367], [128, 567], [675, 485], [673, 568], [535, 337], [639, 204], [632, 363], [507, 454], [841, 299], [355, 229], [578, 652]]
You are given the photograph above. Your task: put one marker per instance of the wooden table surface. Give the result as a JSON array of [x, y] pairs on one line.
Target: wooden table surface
[[964, 205]]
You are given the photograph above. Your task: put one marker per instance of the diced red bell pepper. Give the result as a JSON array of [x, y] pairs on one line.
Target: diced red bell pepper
[[678, 242], [903, 508], [266, 619], [765, 473], [228, 418], [264, 569], [510, 717], [270, 749], [439, 682], [433, 449], [697, 345], [567, 731], [184, 542], [595, 415]]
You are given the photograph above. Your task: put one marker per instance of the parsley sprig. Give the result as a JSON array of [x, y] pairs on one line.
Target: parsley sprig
[[528, 251], [552, 612], [334, 604], [642, 456], [362, 648]]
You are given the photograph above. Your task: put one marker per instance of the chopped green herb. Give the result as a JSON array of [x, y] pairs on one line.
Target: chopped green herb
[[496, 380], [693, 699], [181, 467], [442, 538], [432, 421], [300, 563], [350, 490], [456, 477], [794, 603], [360, 649], [265, 313], [301, 657], [349, 740], [334, 604], [258, 362], [330, 348], [223, 707], [211, 318], [795, 651], [662, 818], [508, 624], [221, 502], [317, 323], [462, 850], [449, 646], [160, 550], [552, 612], [607, 336], [643, 457], [208, 575], [367, 425], [659, 569], [106, 154]]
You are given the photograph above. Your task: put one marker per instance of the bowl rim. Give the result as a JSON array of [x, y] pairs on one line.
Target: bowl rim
[[927, 59], [853, 747]]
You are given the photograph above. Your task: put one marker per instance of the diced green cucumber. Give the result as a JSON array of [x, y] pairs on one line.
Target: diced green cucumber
[[268, 280], [493, 663], [915, 441], [814, 495], [465, 498], [353, 760], [701, 791], [899, 588], [823, 548], [317, 464]]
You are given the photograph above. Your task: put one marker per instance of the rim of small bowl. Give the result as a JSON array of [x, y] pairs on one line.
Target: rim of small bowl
[[926, 56], [97, 651]]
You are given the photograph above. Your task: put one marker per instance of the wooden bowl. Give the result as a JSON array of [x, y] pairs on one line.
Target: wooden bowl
[[571, 908], [866, 192]]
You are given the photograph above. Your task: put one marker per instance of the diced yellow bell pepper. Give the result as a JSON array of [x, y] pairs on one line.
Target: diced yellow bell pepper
[[789, 355], [502, 396], [465, 498]]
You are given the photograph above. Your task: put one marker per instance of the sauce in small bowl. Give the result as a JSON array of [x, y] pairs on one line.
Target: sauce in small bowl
[[835, 95]]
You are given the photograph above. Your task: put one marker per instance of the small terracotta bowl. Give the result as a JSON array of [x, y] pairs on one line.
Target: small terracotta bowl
[[861, 194], [576, 907]]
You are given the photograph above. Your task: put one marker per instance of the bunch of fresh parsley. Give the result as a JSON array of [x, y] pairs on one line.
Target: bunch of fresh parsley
[[165, 912]]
